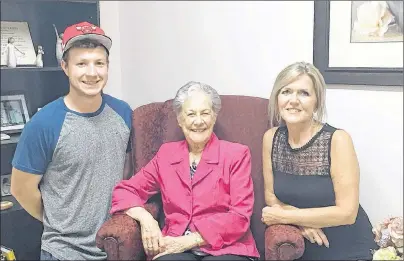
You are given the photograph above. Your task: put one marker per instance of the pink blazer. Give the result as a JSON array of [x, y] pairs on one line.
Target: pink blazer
[[217, 202]]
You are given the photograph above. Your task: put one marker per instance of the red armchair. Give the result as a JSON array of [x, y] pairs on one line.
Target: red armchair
[[242, 119]]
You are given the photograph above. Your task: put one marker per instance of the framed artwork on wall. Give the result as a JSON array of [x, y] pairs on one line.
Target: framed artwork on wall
[[359, 42], [14, 113]]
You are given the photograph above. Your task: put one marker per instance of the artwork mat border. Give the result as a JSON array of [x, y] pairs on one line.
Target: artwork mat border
[[345, 75]]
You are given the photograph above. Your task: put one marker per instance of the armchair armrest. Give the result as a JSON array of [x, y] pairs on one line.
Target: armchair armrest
[[283, 242], [120, 236]]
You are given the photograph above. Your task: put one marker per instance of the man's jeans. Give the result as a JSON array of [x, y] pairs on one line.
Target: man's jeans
[[47, 256]]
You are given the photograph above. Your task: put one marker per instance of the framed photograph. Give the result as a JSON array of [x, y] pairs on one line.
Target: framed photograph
[[5, 185], [14, 113], [20, 33], [359, 42]]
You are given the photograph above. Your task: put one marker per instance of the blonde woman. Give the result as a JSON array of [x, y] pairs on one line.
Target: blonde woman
[[311, 171]]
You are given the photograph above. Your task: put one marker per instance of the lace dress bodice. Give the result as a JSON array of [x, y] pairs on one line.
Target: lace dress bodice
[[313, 158]]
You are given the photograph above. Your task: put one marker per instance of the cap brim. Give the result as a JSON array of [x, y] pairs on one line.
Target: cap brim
[[102, 39]]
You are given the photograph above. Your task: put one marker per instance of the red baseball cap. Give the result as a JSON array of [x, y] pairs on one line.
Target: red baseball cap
[[85, 30]]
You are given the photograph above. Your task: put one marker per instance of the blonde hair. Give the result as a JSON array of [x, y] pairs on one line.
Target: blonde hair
[[290, 74]]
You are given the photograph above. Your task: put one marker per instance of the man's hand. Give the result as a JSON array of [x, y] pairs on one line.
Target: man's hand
[[315, 235], [174, 245]]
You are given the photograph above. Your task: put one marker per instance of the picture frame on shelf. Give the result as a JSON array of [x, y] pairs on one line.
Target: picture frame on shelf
[[5, 183], [14, 113], [23, 45], [346, 55]]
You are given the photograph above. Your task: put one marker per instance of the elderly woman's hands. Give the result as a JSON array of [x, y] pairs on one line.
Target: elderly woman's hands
[[152, 237], [175, 245]]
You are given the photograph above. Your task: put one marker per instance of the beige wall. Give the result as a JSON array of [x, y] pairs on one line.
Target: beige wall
[[238, 48]]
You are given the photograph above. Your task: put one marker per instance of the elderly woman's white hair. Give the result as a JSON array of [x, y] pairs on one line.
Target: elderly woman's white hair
[[185, 92]]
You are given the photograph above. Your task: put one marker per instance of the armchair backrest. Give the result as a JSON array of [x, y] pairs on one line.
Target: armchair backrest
[[242, 119]]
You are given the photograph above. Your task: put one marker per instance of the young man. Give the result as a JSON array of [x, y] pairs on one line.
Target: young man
[[73, 151]]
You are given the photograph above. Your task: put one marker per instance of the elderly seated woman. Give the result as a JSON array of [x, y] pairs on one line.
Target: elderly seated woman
[[205, 184]]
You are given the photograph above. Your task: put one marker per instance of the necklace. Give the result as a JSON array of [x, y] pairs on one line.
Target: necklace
[[194, 162], [193, 165]]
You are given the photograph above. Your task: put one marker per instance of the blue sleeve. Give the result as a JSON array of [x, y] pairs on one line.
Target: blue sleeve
[[125, 111], [33, 152], [38, 139]]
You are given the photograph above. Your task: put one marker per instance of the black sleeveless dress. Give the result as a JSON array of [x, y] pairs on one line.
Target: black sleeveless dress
[[302, 179]]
